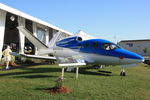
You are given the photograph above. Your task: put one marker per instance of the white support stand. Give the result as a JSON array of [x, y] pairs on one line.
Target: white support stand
[[62, 73], [77, 72], [72, 64]]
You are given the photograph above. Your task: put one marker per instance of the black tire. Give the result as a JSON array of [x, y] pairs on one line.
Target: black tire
[[122, 73]]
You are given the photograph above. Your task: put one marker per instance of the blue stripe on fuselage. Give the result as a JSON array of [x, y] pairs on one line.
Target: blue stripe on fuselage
[[68, 43]]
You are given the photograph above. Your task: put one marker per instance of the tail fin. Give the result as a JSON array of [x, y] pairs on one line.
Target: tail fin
[[32, 38], [56, 36], [42, 48], [36, 41]]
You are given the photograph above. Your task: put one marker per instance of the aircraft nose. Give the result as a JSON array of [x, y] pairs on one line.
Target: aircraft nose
[[140, 58], [134, 58]]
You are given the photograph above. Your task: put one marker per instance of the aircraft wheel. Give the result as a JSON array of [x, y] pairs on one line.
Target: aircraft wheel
[[122, 73]]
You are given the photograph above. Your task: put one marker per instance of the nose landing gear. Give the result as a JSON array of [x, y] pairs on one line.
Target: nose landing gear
[[122, 73]]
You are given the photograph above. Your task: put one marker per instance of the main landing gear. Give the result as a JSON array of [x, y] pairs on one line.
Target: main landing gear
[[122, 73]]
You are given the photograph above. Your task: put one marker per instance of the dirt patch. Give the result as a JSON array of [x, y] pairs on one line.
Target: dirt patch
[[58, 90], [10, 64]]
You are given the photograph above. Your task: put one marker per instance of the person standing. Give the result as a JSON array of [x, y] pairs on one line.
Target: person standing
[[7, 56]]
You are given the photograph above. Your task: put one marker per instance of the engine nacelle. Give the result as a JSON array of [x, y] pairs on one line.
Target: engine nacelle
[[69, 42], [79, 39]]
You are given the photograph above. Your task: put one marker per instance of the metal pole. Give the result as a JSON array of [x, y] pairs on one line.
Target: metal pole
[[62, 73], [77, 71]]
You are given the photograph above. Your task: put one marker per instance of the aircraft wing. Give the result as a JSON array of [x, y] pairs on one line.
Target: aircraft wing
[[32, 56], [62, 61]]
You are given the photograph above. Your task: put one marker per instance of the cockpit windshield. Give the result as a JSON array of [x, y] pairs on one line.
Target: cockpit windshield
[[110, 46]]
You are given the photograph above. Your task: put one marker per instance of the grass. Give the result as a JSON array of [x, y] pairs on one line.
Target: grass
[[28, 83]]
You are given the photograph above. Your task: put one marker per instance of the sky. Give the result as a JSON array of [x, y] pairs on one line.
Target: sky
[[113, 20]]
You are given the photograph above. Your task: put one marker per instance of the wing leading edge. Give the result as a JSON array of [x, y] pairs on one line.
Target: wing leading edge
[[32, 56]]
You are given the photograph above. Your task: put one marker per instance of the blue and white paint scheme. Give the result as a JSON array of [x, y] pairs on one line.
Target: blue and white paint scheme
[[99, 51], [92, 51]]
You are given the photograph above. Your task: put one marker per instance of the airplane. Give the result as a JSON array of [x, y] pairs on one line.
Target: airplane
[[84, 52]]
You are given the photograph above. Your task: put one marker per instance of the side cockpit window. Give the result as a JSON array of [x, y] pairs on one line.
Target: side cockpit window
[[86, 45], [109, 46], [95, 45]]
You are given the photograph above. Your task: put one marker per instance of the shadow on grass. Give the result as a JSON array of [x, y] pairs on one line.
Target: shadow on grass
[[102, 71], [43, 88], [84, 70], [34, 76], [27, 69]]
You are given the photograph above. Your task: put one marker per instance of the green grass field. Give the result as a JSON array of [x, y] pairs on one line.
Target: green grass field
[[28, 83]]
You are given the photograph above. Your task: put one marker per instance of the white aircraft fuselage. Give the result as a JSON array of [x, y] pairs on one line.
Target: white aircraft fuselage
[[96, 51]]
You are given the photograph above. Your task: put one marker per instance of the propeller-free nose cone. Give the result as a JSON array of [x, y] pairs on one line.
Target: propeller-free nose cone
[[140, 58], [130, 57]]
